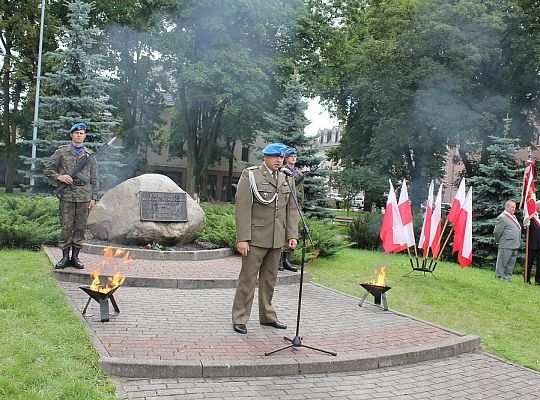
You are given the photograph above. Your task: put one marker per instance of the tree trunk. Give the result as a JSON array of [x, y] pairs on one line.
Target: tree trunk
[[10, 145]]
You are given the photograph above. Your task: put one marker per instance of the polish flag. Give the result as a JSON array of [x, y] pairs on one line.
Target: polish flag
[[423, 243], [392, 234], [528, 192], [435, 226], [457, 204], [404, 205], [463, 232]]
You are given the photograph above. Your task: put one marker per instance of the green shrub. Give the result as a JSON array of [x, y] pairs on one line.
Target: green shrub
[[220, 228], [364, 231], [28, 221], [326, 241]]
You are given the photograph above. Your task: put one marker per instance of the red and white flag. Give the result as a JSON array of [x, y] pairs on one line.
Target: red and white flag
[[435, 226], [528, 192], [463, 232], [404, 205], [423, 243], [392, 234], [457, 204]]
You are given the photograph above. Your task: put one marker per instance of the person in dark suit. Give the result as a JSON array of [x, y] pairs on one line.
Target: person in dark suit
[[507, 234], [532, 224], [266, 220]]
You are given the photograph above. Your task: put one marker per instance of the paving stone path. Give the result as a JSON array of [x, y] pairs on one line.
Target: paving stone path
[[177, 342]]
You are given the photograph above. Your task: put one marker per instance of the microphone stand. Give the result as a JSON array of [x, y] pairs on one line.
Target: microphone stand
[[297, 340]]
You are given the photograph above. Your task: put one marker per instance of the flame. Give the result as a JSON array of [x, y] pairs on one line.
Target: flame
[[112, 281], [380, 275]]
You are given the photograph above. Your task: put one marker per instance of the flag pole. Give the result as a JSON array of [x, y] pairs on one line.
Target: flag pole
[[526, 269], [410, 257], [416, 255], [444, 245]]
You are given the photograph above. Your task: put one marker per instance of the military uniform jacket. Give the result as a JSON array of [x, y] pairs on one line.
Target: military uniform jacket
[[265, 225], [507, 231], [62, 162]]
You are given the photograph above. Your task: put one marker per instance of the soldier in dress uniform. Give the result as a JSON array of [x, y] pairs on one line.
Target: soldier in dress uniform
[[266, 220], [291, 156], [80, 194]]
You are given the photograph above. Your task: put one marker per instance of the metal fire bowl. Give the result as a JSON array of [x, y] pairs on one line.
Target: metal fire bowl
[[374, 289], [97, 296]]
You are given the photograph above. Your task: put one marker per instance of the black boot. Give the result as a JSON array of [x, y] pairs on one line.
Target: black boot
[[75, 258], [287, 264], [280, 265], [64, 262]]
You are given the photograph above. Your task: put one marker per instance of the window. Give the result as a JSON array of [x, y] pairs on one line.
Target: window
[[211, 186], [245, 153]]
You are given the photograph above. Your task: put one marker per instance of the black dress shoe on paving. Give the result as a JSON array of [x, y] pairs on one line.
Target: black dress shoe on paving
[[275, 324], [240, 328]]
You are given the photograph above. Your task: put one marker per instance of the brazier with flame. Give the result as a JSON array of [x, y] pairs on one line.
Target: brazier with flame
[[377, 288], [102, 294]]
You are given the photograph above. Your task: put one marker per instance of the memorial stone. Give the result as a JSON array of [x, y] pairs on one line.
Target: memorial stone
[[146, 209]]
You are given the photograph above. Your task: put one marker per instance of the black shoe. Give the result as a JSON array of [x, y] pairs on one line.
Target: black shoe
[[286, 264], [75, 263], [240, 328], [275, 324], [536, 283], [64, 261]]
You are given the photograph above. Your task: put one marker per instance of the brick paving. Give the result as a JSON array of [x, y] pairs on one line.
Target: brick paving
[[179, 343], [473, 375]]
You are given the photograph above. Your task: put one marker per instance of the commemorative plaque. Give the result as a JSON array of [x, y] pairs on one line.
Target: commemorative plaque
[[163, 206]]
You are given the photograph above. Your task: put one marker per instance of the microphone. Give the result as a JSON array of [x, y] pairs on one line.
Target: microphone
[[286, 171]]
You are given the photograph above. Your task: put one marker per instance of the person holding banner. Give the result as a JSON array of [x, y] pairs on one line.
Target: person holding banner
[[507, 234], [532, 224]]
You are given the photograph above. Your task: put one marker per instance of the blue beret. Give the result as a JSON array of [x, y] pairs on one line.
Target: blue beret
[[290, 151], [77, 127], [275, 149]]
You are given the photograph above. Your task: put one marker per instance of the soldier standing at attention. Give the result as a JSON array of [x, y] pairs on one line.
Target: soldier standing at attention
[[266, 219], [80, 194], [291, 156]]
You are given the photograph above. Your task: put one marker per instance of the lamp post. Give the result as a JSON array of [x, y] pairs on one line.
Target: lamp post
[[36, 103]]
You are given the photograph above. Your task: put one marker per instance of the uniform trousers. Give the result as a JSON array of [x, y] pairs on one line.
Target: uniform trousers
[[506, 260], [73, 217], [534, 255], [264, 262]]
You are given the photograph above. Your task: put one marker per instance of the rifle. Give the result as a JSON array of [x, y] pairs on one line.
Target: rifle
[[300, 178], [81, 164]]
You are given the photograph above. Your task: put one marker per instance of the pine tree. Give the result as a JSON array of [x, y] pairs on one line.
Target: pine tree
[[76, 91], [286, 126], [499, 180]]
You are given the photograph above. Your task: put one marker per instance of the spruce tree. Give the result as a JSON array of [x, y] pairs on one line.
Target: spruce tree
[[499, 180], [286, 125], [76, 91]]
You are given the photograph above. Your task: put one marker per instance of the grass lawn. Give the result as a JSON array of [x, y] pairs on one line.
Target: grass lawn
[[44, 347], [506, 315]]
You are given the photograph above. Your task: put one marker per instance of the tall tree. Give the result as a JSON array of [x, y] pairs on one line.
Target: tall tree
[[19, 39], [498, 180], [77, 90], [132, 30], [414, 77], [286, 125], [220, 53]]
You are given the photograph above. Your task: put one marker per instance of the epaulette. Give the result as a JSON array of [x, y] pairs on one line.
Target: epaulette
[[63, 145], [88, 151], [253, 167]]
